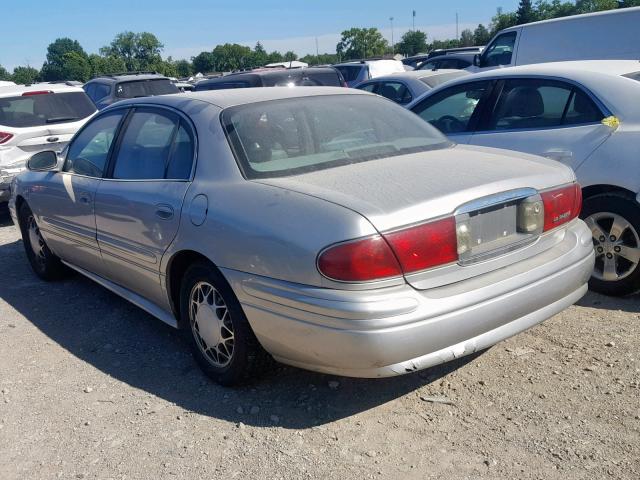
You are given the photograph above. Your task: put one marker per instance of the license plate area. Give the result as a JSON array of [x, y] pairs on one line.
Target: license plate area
[[492, 226]]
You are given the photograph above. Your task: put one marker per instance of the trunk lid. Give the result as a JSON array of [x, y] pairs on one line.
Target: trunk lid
[[410, 189]]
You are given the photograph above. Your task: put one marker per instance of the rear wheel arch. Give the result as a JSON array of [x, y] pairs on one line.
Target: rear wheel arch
[[176, 269], [593, 190]]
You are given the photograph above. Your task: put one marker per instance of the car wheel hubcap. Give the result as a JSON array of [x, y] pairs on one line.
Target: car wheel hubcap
[[36, 240], [211, 324], [616, 244]]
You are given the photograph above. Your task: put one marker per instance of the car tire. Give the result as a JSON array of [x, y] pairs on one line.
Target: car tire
[[218, 331], [44, 262], [614, 220]]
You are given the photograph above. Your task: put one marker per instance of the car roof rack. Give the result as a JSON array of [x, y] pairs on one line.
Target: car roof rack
[[121, 74]]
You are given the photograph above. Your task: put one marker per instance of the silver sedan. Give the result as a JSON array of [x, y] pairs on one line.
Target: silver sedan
[[327, 228]]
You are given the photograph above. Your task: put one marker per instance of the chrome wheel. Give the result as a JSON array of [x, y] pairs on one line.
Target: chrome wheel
[[616, 244], [211, 324], [36, 241]]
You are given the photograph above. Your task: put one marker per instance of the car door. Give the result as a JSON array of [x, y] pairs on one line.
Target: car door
[[64, 202], [455, 110], [138, 204], [547, 117]]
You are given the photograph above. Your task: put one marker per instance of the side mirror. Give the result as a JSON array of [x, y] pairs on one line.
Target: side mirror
[[43, 161], [476, 60]]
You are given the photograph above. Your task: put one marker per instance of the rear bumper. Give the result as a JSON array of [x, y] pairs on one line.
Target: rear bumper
[[397, 330]]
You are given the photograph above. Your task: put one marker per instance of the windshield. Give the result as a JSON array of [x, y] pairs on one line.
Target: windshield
[[145, 88], [298, 135], [44, 109]]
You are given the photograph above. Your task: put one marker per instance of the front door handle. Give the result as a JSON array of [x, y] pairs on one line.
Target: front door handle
[[165, 212]]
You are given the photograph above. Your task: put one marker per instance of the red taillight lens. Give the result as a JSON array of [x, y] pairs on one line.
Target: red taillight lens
[[359, 261], [425, 246], [37, 92], [561, 205], [5, 137]]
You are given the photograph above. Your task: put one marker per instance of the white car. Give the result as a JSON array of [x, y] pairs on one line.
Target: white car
[[356, 72], [584, 114], [35, 118]]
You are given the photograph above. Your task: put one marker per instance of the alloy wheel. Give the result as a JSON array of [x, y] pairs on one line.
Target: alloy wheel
[[36, 241], [211, 324], [616, 244]]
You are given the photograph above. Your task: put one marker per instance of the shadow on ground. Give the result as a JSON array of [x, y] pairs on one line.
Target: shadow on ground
[[5, 218], [129, 345], [629, 303]]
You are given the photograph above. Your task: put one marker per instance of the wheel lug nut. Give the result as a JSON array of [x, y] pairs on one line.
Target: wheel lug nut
[[600, 249], [617, 249], [609, 256], [602, 238], [612, 238]]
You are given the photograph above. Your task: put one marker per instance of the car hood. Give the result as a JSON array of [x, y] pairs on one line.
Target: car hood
[[407, 189]]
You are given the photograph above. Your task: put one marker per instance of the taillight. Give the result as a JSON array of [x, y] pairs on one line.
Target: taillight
[[5, 137], [37, 92], [425, 246], [401, 252], [561, 205], [359, 261]]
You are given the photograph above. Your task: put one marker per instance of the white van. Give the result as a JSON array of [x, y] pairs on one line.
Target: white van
[[609, 35]]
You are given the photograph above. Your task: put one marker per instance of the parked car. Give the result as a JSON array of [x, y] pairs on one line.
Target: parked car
[[35, 118], [607, 35], [326, 226], [403, 88], [468, 53], [579, 113], [358, 71], [454, 61], [282, 77], [107, 89]]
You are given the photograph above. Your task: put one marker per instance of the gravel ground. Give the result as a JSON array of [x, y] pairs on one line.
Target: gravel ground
[[92, 387]]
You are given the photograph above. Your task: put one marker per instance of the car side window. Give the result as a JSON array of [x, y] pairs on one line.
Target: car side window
[[530, 104], [154, 146], [396, 91], [369, 87], [500, 51], [90, 90], [88, 152], [452, 109], [101, 91]]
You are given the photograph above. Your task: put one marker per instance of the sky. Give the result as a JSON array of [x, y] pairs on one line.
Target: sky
[[187, 27]]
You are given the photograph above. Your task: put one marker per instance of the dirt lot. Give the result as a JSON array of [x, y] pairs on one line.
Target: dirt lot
[[92, 387]]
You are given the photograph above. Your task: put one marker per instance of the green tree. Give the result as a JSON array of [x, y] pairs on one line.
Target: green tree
[[290, 56], [525, 12], [4, 74], [481, 35], [587, 6], [231, 57], [140, 51], [275, 57], [361, 43], [502, 20], [322, 59], [204, 62], [58, 53], [466, 38], [260, 57], [25, 75], [554, 9], [412, 43], [183, 68], [101, 65], [76, 66]]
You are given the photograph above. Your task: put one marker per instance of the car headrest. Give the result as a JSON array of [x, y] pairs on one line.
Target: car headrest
[[389, 92], [524, 102]]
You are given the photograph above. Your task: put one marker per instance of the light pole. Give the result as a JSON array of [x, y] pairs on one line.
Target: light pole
[[393, 48]]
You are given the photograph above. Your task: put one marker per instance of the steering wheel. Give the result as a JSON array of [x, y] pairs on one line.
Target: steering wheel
[[450, 124]]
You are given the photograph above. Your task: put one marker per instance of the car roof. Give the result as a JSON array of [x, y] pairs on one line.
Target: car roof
[[355, 63], [582, 68], [418, 74], [241, 96], [15, 90], [572, 18], [269, 72], [127, 77]]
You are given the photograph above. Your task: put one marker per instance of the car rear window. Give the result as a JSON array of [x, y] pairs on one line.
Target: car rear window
[[44, 109], [145, 88], [434, 80], [350, 73], [302, 78], [298, 135]]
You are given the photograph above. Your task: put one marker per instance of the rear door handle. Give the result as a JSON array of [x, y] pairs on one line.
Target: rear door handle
[[165, 212], [559, 154]]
